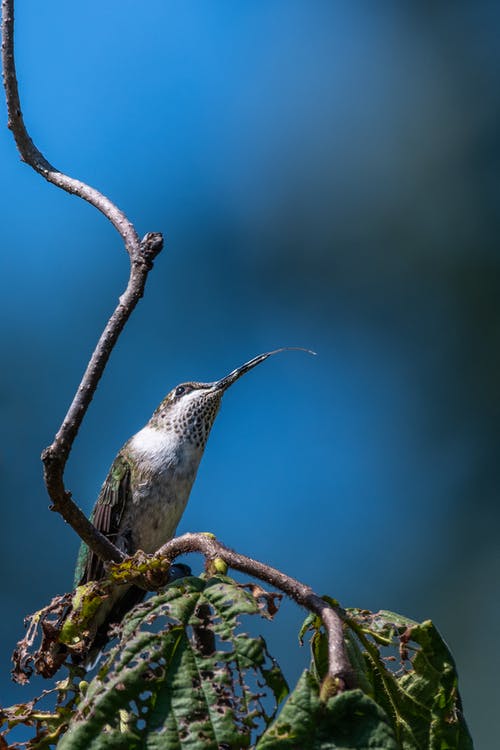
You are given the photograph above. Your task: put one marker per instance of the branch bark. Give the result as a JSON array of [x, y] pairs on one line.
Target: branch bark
[[339, 667], [141, 254]]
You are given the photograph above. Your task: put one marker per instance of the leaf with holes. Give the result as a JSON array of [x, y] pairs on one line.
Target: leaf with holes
[[164, 685], [408, 670]]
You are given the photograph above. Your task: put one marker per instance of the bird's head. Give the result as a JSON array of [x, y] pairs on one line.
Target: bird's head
[[190, 408]]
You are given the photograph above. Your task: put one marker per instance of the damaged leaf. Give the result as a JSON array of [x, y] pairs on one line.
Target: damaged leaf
[[48, 715], [78, 626], [408, 670], [158, 681], [267, 601], [44, 625], [183, 676], [64, 627]]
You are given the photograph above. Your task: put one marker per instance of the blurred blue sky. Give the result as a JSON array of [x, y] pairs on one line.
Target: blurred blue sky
[[326, 175]]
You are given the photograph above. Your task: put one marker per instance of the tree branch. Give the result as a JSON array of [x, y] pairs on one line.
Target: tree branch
[[141, 254], [339, 667]]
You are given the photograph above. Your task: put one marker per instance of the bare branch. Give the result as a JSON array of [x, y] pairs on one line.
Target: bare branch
[[339, 667], [141, 254]]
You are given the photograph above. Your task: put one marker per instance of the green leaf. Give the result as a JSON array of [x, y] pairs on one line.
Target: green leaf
[[349, 721], [46, 720], [312, 622], [158, 688], [415, 680]]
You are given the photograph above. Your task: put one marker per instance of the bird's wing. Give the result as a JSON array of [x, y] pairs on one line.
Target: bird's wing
[[106, 518]]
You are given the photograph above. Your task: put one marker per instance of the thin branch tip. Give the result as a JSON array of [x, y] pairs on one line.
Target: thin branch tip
[[151, 246]]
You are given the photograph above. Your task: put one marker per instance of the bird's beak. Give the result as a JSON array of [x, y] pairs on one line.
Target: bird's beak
[[228, 380]]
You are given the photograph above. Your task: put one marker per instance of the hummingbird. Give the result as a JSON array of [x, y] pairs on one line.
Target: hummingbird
[[148, 485]]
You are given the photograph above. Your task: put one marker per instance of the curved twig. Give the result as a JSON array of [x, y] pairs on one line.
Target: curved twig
[[141, 254], [339, 667]]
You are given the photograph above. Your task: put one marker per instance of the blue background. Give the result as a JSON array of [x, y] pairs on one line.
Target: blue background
[[326, 175]]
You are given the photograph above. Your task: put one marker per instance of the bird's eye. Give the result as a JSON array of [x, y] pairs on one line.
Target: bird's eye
[[180, 390]]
